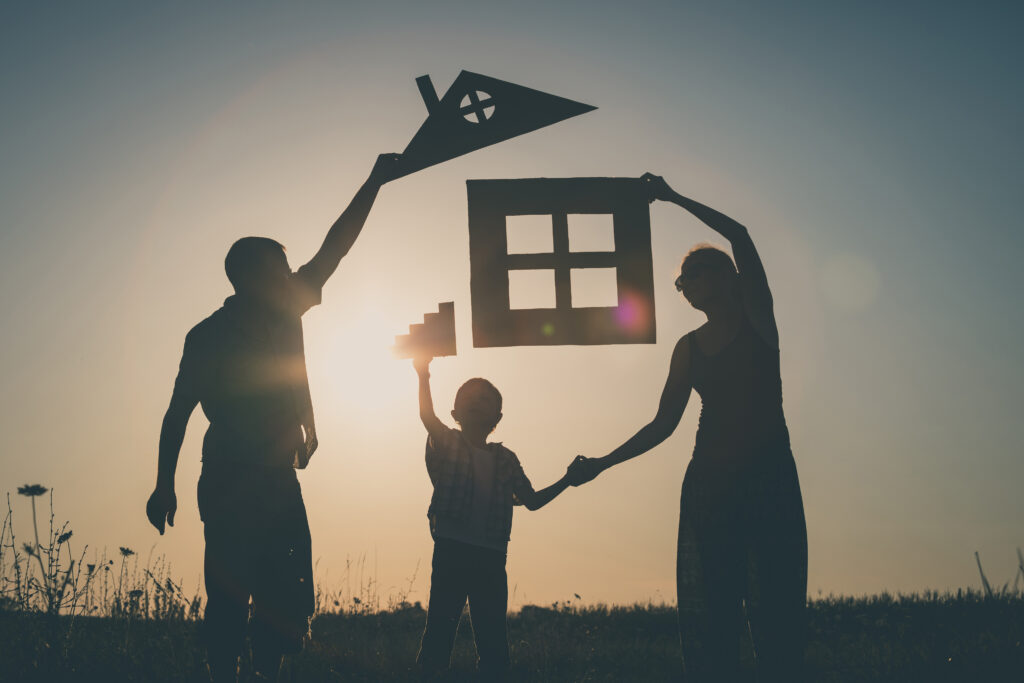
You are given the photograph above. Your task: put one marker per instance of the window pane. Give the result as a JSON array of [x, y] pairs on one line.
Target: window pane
[[531, 289], [531, 234], [593, 287], [591, 232]]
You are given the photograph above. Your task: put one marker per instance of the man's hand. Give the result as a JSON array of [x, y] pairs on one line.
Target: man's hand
[[384, 169], [162, 504], [656, 187], [582, 470]]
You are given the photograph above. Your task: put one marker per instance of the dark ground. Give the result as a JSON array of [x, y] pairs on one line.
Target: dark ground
[[929, 638]]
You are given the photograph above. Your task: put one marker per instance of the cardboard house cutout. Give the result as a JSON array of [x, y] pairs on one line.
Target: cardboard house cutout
[[495, 323], [478, 111]]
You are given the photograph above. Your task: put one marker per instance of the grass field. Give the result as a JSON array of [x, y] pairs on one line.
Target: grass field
[[63, 618], [916, 638]]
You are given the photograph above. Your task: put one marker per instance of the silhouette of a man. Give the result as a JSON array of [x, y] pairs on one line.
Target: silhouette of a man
[[245, 364]]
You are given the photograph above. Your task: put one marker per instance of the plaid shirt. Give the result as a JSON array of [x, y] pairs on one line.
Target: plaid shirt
[[450, 466]]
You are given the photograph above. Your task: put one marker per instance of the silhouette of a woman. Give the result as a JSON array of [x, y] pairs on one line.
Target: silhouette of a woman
[[742, 535]]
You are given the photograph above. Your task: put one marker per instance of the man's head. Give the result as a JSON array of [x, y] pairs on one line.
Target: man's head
[[258, 267], [477, 406]]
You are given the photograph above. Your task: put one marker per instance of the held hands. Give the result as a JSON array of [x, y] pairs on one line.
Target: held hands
[[583, 470], [384, 169], [657, 188], [162, 504]]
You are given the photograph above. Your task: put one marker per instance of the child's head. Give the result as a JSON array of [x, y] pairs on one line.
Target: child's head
[[477, 405]]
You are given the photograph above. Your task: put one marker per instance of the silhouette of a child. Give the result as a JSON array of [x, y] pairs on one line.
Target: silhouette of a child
[[476, 484]]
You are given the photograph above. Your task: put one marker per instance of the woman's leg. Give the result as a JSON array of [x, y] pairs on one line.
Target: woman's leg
[[709, 576], [778, 586]]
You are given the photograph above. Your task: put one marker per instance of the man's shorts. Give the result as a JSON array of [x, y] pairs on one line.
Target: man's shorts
[[258, 545]]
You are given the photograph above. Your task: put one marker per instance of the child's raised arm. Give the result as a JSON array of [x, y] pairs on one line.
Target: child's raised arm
[[434, 426]]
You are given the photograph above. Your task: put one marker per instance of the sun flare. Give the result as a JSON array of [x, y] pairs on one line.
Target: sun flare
[[364, 375]]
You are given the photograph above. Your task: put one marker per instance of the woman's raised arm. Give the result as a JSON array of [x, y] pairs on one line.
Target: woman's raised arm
[[757, 296]]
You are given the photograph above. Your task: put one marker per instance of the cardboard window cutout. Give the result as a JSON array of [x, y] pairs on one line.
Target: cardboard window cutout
[[495, 323], [478, 111]]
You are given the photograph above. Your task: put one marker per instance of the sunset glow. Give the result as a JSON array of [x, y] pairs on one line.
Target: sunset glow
[[881, 195]]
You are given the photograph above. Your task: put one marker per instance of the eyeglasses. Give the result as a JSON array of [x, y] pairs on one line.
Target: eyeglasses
[[691, 272]]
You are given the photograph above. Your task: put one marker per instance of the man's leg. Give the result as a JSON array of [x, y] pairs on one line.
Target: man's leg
[[488, 608], [227, 606], [447, 599], [283, 577]]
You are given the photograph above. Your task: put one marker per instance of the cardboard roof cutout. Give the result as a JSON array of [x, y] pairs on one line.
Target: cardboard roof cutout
[[624, 200], [478, 111]]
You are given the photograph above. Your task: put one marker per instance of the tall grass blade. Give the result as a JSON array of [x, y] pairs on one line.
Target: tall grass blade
[[984, 581]]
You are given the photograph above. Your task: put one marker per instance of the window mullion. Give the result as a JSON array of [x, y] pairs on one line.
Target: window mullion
[[560, 243]]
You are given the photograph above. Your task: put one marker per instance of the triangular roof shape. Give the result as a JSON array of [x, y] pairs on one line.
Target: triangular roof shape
[[478, 111]]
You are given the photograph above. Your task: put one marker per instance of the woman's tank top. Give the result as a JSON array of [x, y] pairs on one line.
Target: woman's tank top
[[741, 393]]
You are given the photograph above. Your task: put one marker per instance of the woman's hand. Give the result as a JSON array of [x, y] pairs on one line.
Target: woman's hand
[[657, 188], [583, 470]]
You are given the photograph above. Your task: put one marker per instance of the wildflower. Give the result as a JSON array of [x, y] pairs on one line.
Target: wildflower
[[357, 600], [89, 568], [30, 549], [32, 490], [63, 538], [126, 552]]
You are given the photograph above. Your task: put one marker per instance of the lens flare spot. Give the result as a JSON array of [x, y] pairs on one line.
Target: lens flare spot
[[632, 312]]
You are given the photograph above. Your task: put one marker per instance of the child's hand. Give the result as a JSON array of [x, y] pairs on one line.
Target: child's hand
[[421, 364]]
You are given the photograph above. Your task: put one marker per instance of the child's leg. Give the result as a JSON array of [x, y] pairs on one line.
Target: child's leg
[[488, 607], [447, 599]]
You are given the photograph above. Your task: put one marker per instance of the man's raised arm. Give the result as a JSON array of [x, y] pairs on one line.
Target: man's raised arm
[[346, 229]]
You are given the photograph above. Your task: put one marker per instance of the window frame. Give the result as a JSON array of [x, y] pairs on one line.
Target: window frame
[[496, 324]]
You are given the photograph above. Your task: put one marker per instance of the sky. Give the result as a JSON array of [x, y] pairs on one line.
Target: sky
[[873, 151]]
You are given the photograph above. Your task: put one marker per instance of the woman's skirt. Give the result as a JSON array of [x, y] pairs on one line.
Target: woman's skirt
[[742, 562]]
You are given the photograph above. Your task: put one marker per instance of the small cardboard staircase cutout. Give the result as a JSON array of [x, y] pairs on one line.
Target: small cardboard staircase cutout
[[434, 337]]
